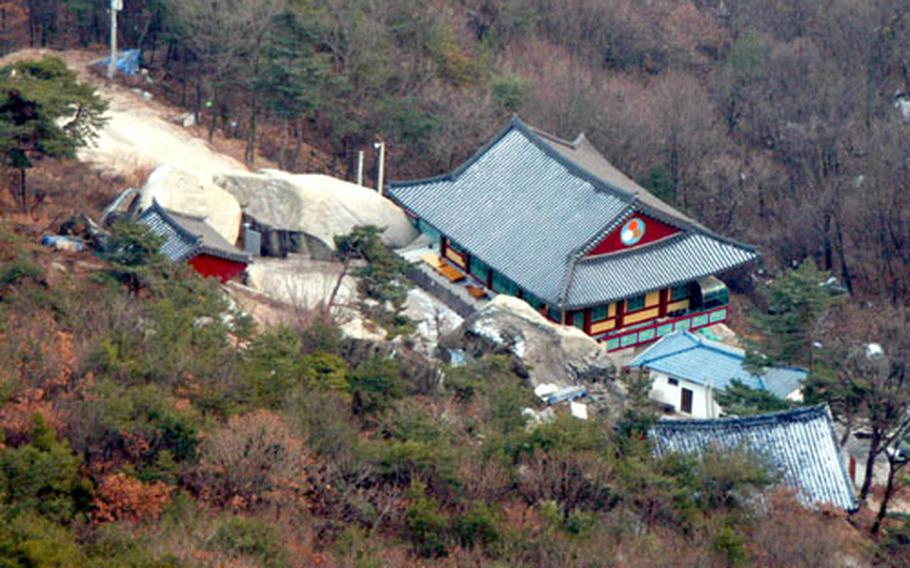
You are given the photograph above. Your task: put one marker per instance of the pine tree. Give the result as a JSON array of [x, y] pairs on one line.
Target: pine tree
[[288, 83], [740, 399], [795, 304], [44, 112]]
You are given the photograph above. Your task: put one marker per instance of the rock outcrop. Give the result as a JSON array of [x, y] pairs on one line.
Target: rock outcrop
[[317, 206], [181, 191], [543, 351]]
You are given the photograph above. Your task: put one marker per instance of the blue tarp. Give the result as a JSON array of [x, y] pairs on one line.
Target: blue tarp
[[127, 61], [62, 242]]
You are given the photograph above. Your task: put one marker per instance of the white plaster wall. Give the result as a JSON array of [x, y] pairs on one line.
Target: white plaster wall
[[796, 396], [703, 403]]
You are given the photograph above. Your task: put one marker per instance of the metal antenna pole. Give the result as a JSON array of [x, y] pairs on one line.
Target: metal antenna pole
[[116, 6], [360, 167]]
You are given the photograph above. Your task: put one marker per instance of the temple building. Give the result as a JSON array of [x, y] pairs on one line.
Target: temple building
[[553, 222], [191, 240]]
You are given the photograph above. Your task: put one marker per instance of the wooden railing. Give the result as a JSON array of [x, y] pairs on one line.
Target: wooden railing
[[625, 338]]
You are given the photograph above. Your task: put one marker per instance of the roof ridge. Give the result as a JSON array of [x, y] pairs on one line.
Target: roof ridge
[[568, 278], [815, 410], [669, 336], [536, 138], [199, 243], [636, 250], [550, 136], [168, 216], [719, 347]]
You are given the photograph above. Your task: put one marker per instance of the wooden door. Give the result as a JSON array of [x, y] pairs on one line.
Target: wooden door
[[686, 403]]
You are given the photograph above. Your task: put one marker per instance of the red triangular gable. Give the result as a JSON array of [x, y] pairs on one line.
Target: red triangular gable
[[635, 231]]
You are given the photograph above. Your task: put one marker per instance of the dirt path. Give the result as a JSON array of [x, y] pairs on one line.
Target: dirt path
[[141, 134]]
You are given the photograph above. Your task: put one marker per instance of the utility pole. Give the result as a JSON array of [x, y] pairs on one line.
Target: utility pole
[[379, 180], [360, 167], [116, 6]]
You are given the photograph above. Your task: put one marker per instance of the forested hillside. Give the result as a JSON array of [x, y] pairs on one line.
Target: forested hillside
[[147, 421], [775, 122]]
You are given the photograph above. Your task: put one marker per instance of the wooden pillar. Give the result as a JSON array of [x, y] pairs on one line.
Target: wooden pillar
[[620, 312], [443, 245], [588, 320], [664, 301]]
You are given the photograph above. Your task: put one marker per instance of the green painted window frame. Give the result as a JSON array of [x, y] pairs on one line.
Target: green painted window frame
[[578, 320], [680, 292], [600, 313], [479, 269], [503, 285], [534, 301], [428, 230], [635, 304]]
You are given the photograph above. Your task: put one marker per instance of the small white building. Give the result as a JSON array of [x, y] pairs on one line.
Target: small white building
[[688, 369]]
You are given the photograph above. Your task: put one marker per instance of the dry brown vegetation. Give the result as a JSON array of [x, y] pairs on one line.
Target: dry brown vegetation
[[148, 430]]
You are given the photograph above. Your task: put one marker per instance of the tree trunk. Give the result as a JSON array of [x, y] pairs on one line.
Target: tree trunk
[[250, 152], [298, 144], [889, 492], [23, 191], [870, 466], [197, 104], [214, 121], [183, 79], [344, 272], [31, 24], [283, 144], [848, 429], [842, 254]]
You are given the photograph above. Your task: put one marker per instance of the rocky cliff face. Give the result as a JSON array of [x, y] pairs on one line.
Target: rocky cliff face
[[317, 206], [180, 191], [544, 352]]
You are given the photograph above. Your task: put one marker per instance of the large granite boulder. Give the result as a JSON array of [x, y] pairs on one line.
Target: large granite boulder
[[317, 206], [544, 352], [183, 192]]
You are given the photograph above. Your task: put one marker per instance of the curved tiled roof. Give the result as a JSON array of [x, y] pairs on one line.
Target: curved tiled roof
[[800, 444], [186, 236], [531, 205]]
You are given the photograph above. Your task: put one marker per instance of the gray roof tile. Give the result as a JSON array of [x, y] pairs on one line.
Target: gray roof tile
[[681, 258], [186, 236], [801, 444], [530, 205]]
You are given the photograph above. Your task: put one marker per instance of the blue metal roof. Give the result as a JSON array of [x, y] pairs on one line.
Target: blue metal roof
[[691, 357], [800, 444], [531, 205]]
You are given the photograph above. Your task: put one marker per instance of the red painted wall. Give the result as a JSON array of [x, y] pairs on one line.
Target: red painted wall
[[219, 268], [654, 231]]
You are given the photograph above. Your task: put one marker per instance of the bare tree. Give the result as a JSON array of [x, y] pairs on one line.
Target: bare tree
[[227, 38], [881, 382]]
